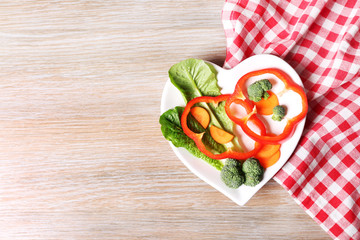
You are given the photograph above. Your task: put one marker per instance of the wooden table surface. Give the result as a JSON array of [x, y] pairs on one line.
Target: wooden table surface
[[82, 154]]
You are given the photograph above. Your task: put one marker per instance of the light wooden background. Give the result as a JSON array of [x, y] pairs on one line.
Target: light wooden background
[[81, 152]]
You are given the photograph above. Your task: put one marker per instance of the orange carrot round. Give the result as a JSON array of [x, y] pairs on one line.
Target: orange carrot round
[[201, 115], [268, 150], [269, 161], [220, 135], [265, 107]]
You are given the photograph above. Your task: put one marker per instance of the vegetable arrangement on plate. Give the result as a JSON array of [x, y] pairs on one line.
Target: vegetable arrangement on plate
[[205, 126]]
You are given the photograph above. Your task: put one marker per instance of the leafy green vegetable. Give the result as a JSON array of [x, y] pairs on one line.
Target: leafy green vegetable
[[222, 117], [278, 113], [172, 131], [257, 90], [207, 139], [194, 78]]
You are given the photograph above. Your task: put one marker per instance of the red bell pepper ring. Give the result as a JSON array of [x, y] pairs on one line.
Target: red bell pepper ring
[[197, 137], [238, 96]]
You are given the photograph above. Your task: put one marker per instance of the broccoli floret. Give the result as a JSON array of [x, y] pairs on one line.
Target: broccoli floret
[[235, 173], [252, 180], [278, 113], [257, 90], [253, 172], [252, 166], [231, 173]]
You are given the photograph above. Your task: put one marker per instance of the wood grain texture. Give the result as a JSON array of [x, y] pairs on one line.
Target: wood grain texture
[[82, 155]]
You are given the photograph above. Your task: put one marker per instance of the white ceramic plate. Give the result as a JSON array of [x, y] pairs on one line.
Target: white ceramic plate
[[227, 80]]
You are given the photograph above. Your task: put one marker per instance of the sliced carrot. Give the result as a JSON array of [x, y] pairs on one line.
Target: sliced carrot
[[268, 150], [201, 115], [265, 107], [269, 154], [269, 161], [220, 135]]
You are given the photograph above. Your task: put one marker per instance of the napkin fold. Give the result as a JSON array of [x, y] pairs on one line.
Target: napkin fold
[[321, 41]]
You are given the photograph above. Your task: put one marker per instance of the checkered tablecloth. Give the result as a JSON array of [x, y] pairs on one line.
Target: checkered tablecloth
[[321, 41]]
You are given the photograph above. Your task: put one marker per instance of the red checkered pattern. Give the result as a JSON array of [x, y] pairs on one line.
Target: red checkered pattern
[[321, 41]]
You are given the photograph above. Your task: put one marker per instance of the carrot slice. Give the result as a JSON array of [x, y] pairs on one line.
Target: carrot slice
[[265, 107], [220, 135], [269, 161], [201, 115], [268, 150]]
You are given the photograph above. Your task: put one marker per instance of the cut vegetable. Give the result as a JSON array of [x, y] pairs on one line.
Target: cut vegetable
[[291, 122], [201, 115], [269, 161], [278, 113], [197, 137], [268, 150], [220, 135], [265, 107]]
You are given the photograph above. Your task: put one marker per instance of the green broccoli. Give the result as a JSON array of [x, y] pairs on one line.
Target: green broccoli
[[235, 173], [231, 173], [253, 172], [252, 180], [257, 90], [278, 113]]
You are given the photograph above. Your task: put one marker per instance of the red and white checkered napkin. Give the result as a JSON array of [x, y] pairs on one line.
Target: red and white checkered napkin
[[321, 41]]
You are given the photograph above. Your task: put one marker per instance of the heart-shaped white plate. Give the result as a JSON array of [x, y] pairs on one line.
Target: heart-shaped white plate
[[227, 80]]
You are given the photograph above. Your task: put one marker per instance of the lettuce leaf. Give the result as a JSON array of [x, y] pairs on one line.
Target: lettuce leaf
[[172, 131], [194, 78], [207, 139]]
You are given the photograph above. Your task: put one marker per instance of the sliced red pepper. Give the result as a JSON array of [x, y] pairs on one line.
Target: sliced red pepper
[[238, 96], [197, 137]]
